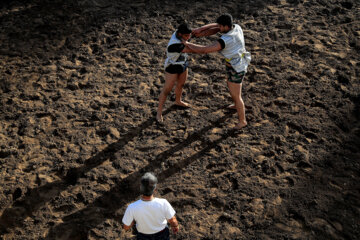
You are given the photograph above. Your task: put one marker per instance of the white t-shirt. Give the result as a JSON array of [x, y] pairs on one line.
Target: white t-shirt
[[150, 216]]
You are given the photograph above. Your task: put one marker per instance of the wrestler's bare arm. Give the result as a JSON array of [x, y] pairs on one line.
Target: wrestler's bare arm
[[195, 48], [204, 30], [208, 32]]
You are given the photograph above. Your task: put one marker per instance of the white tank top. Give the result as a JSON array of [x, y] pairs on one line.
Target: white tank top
[[174, 57], [234, 51]]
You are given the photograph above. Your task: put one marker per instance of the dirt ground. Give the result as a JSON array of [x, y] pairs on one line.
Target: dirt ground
[[79, 85]]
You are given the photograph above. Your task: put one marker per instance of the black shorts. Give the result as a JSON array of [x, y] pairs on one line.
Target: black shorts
[[162, 235], [176, 68]]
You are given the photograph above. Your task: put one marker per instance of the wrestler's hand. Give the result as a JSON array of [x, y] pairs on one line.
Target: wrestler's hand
[[184, 42], [175, 229]]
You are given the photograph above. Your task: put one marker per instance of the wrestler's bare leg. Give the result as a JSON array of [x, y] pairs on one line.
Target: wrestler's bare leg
[[179, 88], [235, 92], [170, 80]]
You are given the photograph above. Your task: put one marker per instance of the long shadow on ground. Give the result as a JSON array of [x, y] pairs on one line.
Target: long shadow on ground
[[77, 225], [36, 198]]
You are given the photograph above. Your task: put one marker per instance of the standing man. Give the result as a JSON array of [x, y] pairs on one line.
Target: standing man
[[232, 46], [150, 214], [175, 66]]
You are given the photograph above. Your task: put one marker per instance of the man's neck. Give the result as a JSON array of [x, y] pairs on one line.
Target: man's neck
[[230, 28], [147, 198]]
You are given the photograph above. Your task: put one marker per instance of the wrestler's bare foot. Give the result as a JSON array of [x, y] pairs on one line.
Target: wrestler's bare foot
[[159, 118], [182, 104], [232, 106], [240, 125]]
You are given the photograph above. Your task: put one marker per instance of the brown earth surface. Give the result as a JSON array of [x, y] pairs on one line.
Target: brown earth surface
[[79, 87]]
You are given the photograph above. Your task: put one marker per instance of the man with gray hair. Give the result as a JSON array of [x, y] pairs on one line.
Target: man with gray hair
[[150, 214]]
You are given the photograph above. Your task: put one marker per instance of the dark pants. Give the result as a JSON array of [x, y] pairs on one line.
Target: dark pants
[[162, 235]]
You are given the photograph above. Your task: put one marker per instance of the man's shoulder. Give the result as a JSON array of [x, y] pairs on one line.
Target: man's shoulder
[[238, 28], [174, 38], [134, 204], [161, 200]]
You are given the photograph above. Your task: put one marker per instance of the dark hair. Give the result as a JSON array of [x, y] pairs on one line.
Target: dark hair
[[148, 184], [184, 29], [225, 20]]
